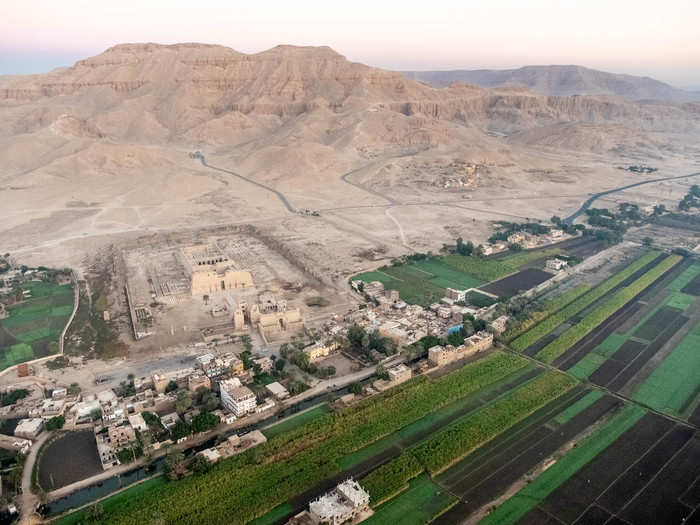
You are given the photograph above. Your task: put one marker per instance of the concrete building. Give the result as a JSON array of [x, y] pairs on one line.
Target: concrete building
[[340, 505], [237, 399], [29, 428], [277, 390], [265, 364], [399, 374], [498, 325], [137, 422], [210, 271]]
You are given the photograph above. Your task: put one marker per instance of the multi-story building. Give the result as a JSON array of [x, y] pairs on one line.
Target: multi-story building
[[443, 355], [239, 400], [399, 374]]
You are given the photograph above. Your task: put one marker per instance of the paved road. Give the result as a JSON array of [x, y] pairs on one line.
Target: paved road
[[587, 203], [279, 194]]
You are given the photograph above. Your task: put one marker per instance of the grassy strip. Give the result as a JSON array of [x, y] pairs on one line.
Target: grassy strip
[[391, 478], [296, 421], [551, 322], [578, 407], [452, 444], [532, 494], [577, 332], [421, 503], [548, 309], [244, 487], [675, 380]]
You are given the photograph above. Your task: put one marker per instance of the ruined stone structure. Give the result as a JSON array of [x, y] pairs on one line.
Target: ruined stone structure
[[210, 271]]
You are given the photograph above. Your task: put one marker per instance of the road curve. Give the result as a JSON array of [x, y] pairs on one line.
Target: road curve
[[587, 203], [279, 194]]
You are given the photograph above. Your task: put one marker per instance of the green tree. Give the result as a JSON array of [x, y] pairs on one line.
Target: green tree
[[356, 388], [171, 387], [247, 342], [183, 402], [55, 423], [200, 464], [174, 466]]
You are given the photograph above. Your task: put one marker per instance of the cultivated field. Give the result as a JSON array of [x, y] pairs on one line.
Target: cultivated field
[[33, 326]]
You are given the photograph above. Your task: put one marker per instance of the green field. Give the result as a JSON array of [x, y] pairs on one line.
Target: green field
[[35, 323], [274, 515], [424, 282], [550, 323], [295, 422], [595, 317], [529, 496], [421, 503], [675, 299], [671, 385]]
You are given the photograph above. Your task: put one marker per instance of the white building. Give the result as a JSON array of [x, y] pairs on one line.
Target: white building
[[239, 400], [340, 505], [277, 390], [555, 264]]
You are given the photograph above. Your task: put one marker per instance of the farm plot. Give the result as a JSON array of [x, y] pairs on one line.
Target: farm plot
[[540, 330], [69, 458], [521, 281], [33, 326], [604, 310], [491, 471], [658, 323], [672, 386], [543, 485], [610, 481], [693, 287]]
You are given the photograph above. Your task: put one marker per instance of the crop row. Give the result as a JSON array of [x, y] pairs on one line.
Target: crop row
[[246, 486], [550, 323], [548, 309], [445, 448], [577, 332]]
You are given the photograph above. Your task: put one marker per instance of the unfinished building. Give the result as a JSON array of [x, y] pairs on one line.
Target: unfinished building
[[210, 271]]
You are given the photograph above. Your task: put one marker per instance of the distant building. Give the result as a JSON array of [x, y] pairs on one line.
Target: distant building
[[555, 264], [239, 400], [137, 422], [120, 436], [196, 381], [265, 364], [340, 505], [455, 295]]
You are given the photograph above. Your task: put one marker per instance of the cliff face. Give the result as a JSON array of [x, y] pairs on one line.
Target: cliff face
[[213, 94]]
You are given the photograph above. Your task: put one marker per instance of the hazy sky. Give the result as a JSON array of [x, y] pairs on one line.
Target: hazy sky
[[643, 37]]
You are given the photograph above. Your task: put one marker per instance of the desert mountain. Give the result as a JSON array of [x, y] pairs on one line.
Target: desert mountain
[[561, 81], [102, 147]]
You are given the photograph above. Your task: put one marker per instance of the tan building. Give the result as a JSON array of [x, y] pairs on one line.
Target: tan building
[[211, 271], [443, 355], [498, 325], [399, 374], [120, 436], [196, 380], [320, 350], [455, 295]]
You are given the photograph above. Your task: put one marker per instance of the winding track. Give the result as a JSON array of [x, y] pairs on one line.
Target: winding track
[[587, 203], [279, 194]]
